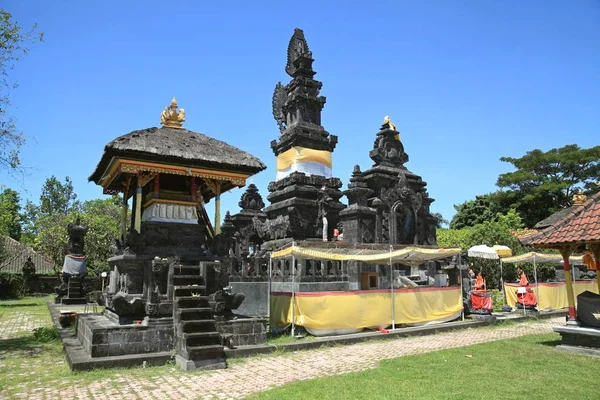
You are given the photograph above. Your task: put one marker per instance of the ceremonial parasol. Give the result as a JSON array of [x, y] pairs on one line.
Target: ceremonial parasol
[[502, 251], [483, 251]]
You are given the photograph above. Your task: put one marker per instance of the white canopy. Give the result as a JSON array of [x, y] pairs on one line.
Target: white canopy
[[542, 258], [483, 251], [410, 255]]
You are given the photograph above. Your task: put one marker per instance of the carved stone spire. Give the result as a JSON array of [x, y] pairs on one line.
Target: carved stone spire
[[358, 191], [297, 106], [299, 57], [388, 150], [303, 150], [251, 199]]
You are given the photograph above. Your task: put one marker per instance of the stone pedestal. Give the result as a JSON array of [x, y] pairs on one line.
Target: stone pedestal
[[579, 339], [102, 337]]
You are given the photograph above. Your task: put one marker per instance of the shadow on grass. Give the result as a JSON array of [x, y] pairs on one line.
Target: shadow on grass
[[550, 343], [17, 305], [26, 346]]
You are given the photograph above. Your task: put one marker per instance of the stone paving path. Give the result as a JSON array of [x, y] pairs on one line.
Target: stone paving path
[[259, 374]]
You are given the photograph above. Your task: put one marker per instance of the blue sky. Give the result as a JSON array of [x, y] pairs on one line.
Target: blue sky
[[465, 82]]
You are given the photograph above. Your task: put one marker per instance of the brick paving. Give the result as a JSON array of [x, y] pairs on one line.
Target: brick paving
[[250, 376]]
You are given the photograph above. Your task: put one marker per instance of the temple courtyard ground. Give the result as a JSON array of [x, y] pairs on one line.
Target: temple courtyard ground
[[509, 361]]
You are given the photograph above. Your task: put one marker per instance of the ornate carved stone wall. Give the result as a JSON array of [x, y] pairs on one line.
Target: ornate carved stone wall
[[397, 208]]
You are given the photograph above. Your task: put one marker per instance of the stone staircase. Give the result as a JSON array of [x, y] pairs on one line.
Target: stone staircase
[[75, 293], [197, 341]]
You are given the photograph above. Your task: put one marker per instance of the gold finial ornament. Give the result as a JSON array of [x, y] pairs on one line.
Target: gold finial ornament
[[579, 198], [170, 118], [390, 124]]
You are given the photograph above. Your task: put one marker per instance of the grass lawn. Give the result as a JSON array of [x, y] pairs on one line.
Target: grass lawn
[[528, 367], [523, 368], [26, 363]]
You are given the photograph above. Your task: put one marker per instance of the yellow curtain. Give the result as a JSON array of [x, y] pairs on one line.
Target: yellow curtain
[[365, 309], [552, 295]]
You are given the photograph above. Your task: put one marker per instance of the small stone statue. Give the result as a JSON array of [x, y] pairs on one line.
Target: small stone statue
[[28, 268], [225, 299], [74, 265], [323, 202]]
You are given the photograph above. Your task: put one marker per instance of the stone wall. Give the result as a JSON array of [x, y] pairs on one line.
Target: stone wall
[[45, 284], [246, 331], [103, 340], [256, 299]]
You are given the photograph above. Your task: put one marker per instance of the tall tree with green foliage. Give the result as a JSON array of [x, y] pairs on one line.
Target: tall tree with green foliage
[[57, 199], [10, 214], [545, 182], [483, 208], [13, 45], [496, 230], [101, 216]]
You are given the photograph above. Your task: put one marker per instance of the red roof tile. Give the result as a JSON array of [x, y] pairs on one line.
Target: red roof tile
[[580, 226]]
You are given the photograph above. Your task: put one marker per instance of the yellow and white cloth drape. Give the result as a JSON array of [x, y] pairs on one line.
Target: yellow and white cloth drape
[[330, 311], [551, 295], [409, 255], [302, 159]]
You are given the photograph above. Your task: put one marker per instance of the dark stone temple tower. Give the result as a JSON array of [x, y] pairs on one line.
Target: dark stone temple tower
[[304, 191], [388, 204]]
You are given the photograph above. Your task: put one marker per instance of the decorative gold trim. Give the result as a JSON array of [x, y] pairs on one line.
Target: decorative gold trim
[[214, 186], [135, 167], [144, 178]]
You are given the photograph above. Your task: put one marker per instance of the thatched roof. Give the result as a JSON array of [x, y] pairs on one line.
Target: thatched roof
[[180, 147], [16, 256]]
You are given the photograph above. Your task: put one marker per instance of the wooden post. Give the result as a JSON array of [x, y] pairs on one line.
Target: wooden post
[[124, 217], [566, 253], [595, 248], [218, 208], [193, 188], [156, 184], [138, 207]]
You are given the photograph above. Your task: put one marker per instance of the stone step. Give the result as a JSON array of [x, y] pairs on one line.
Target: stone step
[[202, 339], [198, 325], [185, 280], [73, 300], [183, 302], [205, 352], [186, 270], [197, 313], [187, 290]]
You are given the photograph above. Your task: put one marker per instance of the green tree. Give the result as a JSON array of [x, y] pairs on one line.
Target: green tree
[[13, 45], [56, 198], [10, 214], [545, 182], [453, 238], [102, 218], [483, 208]]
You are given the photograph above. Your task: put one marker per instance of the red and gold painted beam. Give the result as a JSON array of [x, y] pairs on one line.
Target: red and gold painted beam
[[120, 166]]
